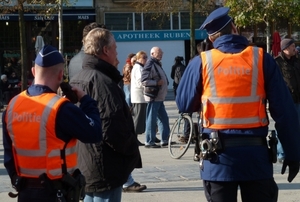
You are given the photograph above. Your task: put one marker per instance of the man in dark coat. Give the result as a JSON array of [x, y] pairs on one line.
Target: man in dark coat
[[289, 65], [106, 165]]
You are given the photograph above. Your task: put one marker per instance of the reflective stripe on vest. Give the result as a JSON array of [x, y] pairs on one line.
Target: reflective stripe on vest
[[224, 105], [48, 148]]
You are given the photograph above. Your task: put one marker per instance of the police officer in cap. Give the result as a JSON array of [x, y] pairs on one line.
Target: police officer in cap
[[231, 84], [41, 128]]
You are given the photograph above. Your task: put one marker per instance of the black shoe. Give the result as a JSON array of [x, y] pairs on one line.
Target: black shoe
[[152, 146], [164, 144], [135, 187], [157, 140], [196, 157], [140, 144]]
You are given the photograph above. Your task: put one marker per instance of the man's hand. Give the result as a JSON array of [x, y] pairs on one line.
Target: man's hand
[[293, 169], [79, 92], [160, 82]]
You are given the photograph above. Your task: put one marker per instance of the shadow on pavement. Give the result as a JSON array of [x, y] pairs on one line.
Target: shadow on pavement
[[171, 189], [288, 186], [3, 171]]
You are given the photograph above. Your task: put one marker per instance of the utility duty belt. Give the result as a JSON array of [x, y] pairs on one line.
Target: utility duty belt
[[244, 141], [211, 147], [70, 188]]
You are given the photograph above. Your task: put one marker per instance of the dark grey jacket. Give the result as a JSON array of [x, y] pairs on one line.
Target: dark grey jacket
[[107, 165], [290, 69], [75, 64]]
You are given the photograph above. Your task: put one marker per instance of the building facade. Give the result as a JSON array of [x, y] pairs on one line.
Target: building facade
[[75, 16]]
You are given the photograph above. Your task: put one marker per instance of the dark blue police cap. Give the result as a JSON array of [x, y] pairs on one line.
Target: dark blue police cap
[[48, 56], [216, 21]]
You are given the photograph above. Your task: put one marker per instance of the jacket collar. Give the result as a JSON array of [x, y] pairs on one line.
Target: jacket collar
[[102, 66], [231, 43]]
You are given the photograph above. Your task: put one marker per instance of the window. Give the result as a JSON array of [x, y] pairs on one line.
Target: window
[[10, 35], [138, 21], [156, 21], [185, 20], [73, 38], [119, 21]]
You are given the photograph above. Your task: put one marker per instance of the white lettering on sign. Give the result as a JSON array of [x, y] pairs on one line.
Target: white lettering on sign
[[45, 17], [83, 17], [175, 35], [139, 36], [4, 17]]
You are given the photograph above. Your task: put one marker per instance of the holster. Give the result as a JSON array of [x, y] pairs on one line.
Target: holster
[[69, 189], [272, 146], [75, 185]]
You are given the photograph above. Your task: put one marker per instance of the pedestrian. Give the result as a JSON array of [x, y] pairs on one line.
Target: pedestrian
[[177, 72], [138, 101], [131, 58], [154, 76], [108, 164], [6, 90], [231, 84], [75, 64], [39, 141], [289, 65]]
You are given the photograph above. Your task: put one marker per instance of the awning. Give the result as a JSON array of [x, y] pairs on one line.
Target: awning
[[68, 15]]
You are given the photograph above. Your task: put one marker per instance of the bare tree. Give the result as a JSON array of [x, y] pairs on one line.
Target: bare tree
[[46, 6], [159, 7]]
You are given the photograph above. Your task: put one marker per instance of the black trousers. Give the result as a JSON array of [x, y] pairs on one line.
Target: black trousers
[[139, 117], [36, 195], [258, 191]]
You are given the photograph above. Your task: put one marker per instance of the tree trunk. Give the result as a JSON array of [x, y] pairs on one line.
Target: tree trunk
[[60, 27], [23, 45], [192, 29]]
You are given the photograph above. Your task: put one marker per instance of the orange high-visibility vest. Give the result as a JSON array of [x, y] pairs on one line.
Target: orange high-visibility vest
[[31, 127], [233, 89]]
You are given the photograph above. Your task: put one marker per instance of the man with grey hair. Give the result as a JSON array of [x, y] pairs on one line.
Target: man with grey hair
[[108, 164], [75, 64], [154, 75]]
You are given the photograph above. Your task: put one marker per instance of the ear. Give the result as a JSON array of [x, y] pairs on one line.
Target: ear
[[33, 71], [61, 75], [234, 29], [105, 50], [210, 39]]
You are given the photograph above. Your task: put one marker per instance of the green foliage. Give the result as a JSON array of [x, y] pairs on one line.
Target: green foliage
[[247, 12]]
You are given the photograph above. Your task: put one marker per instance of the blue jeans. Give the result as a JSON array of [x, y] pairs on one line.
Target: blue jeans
[[129, 182], [280, 152], [156, 114], [126, 89], [113, 195]]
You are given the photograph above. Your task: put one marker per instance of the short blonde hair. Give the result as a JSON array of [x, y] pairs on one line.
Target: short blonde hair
[[96, 39], [140, 54]]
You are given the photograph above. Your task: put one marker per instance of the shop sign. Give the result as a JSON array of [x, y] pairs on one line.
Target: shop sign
[[4, 17], [158, 35], [44, 17]]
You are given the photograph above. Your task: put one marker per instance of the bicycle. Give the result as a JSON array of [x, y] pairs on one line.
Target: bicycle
[[182, 135]]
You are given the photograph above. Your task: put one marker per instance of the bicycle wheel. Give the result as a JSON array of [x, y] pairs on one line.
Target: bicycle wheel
[[180, 136]]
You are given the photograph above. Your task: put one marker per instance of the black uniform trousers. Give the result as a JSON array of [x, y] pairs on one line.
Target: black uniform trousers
[[258, 191]]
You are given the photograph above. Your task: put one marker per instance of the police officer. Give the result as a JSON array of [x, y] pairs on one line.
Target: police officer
[[40, 131], [231, 84]]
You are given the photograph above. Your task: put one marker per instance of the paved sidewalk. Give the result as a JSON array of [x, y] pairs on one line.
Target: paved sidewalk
[[168, 179]]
